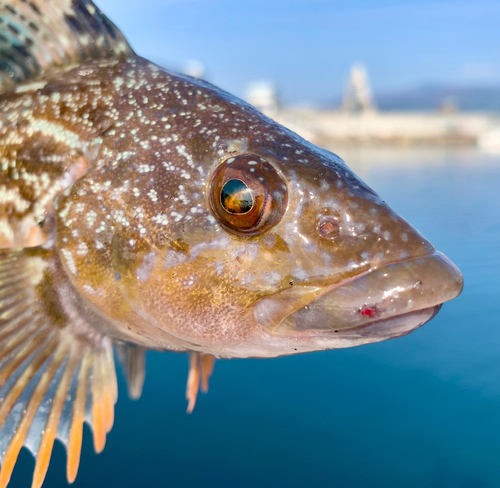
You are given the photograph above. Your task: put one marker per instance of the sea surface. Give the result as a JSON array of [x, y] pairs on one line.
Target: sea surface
[[419, 411]]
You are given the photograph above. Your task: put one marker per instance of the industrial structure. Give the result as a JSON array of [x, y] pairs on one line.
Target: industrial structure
[[357, 120]]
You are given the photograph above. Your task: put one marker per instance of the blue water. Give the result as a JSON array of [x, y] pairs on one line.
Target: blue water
[[420, 411]]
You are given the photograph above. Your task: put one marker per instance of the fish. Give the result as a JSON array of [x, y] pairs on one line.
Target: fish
[[143, 209]]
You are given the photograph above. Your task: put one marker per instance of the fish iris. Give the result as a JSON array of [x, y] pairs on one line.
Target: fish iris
[[247, 195], [236, 197]]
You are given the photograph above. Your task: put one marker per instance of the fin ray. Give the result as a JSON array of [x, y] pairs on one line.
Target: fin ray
[[133, 359], [201, 367], [52, 369], [20, 320], [45, 451], [41, 36], [76, 430], [98, 412], [17, 442]]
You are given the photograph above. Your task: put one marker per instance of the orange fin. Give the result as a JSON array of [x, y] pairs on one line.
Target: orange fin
[[201, 367], [52, 378], [207, 368]]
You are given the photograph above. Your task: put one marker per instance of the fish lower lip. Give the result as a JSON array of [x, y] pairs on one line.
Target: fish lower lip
[[373, 331], [400, 296], [390, 328]]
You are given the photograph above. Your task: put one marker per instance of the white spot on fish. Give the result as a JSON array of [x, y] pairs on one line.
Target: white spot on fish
[[31, 87], [271, 278], [247, 279], [91, 217], [270, 240], [310, 247], [265, 310], [253, 251], [160, 219], [327, 257], [300, 274], [153, 195], [219, 267], [190, 281], [174, 258], [220, 243], [82, 249], [238, 251], [70, 262], [145, 269], [404, 254]]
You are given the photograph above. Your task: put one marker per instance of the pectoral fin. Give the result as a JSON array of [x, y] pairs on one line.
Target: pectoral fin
[[56, 371]]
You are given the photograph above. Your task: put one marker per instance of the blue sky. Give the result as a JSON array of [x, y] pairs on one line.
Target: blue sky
[[307, 47]]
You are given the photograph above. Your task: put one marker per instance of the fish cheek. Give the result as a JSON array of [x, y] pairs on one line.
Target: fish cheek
[[183, 298]]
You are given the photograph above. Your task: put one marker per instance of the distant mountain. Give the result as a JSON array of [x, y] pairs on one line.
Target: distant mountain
[[432, 97]]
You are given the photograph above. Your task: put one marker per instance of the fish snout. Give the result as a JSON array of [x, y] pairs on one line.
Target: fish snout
[[379, 304]]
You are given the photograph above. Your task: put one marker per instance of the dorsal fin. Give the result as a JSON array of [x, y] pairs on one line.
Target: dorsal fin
[[41, 36]]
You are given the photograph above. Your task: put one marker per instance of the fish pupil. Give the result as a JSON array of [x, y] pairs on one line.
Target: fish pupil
[[236, 197]]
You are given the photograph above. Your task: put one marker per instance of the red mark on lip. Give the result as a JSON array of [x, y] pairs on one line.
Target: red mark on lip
[[370, 312]]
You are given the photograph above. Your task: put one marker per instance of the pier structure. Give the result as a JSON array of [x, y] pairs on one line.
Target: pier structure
[[358, 95], [263, 96], [325, 126], [357, 120]]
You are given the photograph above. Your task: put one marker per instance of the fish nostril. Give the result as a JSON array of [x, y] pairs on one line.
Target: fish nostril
[[328, 228]]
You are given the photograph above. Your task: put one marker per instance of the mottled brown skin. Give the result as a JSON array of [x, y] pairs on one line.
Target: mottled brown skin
[[136, 233], [47, 138], [151, 141]]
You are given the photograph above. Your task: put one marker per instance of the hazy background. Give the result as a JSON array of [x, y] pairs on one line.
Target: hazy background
[[307, 47]]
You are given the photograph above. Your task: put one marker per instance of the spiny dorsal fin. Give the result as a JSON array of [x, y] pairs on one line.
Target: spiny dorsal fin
[[56, 371], [40, 36]]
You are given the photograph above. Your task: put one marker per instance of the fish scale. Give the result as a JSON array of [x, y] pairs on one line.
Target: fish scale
[[46, 139], [144, 209]]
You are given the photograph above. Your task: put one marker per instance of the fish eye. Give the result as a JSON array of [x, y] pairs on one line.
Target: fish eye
[[236, 197], [247, 195]]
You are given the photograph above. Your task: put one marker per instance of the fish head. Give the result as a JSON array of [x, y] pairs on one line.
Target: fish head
[[248, 241], [354, 271]]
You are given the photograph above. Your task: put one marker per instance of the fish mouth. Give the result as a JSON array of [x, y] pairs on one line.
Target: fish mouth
[[382, 303]]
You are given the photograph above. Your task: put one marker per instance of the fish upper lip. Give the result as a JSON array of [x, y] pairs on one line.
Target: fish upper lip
[[375, 268], [445, 282]]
